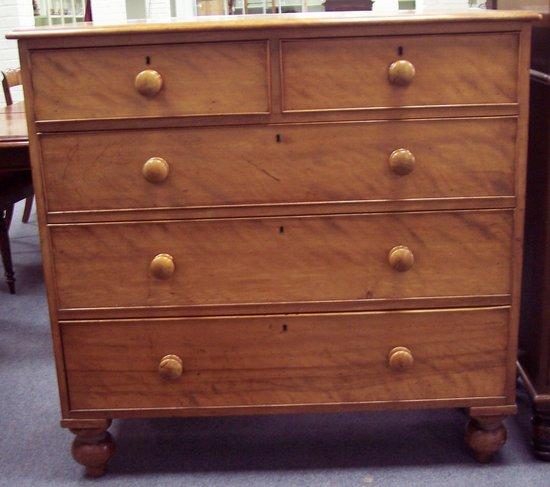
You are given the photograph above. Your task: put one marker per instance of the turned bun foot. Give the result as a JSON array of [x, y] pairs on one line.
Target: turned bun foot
[[485, 436], [93, 448], [541, 434]]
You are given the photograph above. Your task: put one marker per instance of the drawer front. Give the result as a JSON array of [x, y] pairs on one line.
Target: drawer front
[[283, 260], [197, 79], [269, 360], [352, 73], [280, 164]]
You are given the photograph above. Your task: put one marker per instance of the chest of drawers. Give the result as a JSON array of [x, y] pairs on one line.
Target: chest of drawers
[[281, 214]]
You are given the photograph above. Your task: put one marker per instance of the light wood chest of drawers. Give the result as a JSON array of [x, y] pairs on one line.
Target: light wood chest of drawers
[[283, 214]]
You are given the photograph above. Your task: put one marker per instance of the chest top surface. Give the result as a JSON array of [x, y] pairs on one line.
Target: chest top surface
[[274, 21]]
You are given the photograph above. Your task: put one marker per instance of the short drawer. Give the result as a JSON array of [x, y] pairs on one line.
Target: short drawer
[[195, 79], [283, 260], [353, 73], [295, 163], [276, 360]]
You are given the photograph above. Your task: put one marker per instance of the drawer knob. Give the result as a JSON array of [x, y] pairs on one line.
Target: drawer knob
[[170, 367], [148, 82], [162, 266], [155, 170], [400, 358], [401, 258], [402, 161], [401, 72]]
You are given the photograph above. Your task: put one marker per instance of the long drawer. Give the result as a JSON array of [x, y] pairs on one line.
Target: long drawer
[[283, 260], [275, 360], [214, 78], [395, 160], [353, 73]]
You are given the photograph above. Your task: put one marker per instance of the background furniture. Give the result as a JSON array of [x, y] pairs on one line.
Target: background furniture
[[14, 187], [535, 324], [346, 5], [326, 224], [534, 339], [15, 175], [10, 79]]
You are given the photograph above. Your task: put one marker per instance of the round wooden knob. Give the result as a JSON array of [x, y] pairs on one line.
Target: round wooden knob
[[402, 161], [162, 266], [155, 170], [401, 258], [170, 367], [400, 358], [148, 82], [401, 72]]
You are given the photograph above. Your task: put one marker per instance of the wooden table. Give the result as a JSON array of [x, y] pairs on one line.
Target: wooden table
[[14, 139]]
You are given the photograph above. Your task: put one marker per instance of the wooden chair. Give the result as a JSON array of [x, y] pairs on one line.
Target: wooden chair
[[11, 78], [14, 186]]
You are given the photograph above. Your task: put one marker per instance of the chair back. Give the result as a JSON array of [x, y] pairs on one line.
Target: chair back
[[10, 78]]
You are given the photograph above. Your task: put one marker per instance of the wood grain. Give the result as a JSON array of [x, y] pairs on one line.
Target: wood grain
[[281, 209], [234, 24], [370, 114], [176, 311], [269, 360], [274, 260], [485, 435], [45, 241], [259, 249], [519, 213], [198, 79], [13, 128], [331, 74], [279, 164]]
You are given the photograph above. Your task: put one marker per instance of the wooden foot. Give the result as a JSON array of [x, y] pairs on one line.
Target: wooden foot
[[93, 447], [485, 435], [541, 433], [9, 216]]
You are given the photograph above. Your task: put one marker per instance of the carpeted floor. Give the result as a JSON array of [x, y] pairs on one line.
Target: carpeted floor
[[400, 448]]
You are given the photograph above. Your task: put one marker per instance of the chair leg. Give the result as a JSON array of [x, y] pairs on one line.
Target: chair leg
[[28, 209], [6, 252], [8, 216]]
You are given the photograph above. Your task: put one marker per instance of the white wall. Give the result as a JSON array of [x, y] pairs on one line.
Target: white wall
[[385, 6], [185, 8], [112, 11], [13, 13], [108, 11], [442, 4], [135, 9], [157, 9]]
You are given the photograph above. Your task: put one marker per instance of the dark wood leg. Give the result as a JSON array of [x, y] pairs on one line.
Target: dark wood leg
[[541, 433], [485, 435], [93, 447], [8, 216], [28, 209], [6, 253]]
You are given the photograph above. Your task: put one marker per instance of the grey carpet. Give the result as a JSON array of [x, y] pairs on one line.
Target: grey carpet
[[395, 448]]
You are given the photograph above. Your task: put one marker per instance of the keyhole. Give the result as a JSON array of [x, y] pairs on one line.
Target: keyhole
[[281, 229], [285, 328], [400, 50], [278, 138], [147, 60]]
